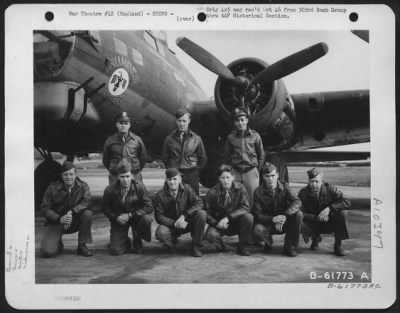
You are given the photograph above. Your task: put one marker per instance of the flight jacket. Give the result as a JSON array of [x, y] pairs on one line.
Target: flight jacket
[[244, 151], [282, 202], [187, 155], [167, 209], [133, 149], [214, 203], [329, 196], [137, 201], [57, 200]]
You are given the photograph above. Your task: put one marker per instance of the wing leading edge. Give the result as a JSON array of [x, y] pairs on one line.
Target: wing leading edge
[[326, 119]]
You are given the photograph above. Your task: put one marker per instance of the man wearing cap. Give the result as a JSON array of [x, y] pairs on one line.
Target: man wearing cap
[[228, 211], [276, 210], [124, 144], [127, 204], [244, 151], [323, 207], [179, 210], [183, 149], [66, 205]]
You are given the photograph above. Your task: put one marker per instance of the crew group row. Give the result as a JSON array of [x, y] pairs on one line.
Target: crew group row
[[178, 210], [237, 204]]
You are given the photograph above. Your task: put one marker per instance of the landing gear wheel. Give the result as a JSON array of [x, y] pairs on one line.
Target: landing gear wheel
[[46, 172]]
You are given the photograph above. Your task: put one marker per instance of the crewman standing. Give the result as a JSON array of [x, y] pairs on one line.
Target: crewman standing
[[323, 207], [124, 144], [183, 149], [244, 151], [66, 205]]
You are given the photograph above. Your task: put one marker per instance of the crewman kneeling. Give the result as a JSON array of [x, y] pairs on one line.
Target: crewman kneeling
[[323, 207], [179, 210], [66, 205], [127, 204], [228, 211], [276, 210]]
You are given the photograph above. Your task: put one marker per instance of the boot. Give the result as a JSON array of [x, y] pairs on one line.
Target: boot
[[337, 249], [84, 250], [290, 251], [60, 247], [138, 245], [315, 242], [242, 250], [267, 247], [220, 246], [196, 251]]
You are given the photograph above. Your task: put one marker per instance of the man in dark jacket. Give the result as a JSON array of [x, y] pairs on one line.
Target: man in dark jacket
[[66, 205], [228, 211], [127, 204], [244, 151], [276, 210], [179, 210], [323, 207], [183, 149], [124, 144]]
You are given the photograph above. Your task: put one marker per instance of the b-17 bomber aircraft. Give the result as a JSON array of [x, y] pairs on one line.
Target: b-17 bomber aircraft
[[83, 79]]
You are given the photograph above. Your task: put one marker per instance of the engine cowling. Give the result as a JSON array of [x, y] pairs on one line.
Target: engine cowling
[[270, 107]]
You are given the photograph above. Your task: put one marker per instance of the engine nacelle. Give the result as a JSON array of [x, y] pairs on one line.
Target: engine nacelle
[[270, 107]]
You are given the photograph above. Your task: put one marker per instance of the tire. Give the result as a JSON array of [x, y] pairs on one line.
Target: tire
[[45, 173]]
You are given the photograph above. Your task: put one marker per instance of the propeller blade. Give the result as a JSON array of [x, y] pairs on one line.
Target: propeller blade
[[291, 64], [205, 58]]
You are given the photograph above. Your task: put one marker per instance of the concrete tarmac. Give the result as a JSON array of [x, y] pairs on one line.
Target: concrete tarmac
[[158, 266]]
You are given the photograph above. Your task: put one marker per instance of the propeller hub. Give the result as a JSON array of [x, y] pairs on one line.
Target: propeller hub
[[252, 92]]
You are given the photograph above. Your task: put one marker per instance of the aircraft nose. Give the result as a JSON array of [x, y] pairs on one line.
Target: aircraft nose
[[50, 52], [47, 51]]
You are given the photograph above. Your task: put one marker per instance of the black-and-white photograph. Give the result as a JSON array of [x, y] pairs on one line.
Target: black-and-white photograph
[[200, 157], [185, 157]]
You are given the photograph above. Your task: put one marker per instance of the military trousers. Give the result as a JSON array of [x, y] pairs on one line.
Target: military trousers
[[336, 224], [292, 229], [192, 178], [241, 226], [119, 234], [81, 223], [196, 224], [250, 180]]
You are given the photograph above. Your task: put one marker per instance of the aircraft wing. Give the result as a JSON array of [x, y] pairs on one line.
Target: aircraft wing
[[323, 156], [326, 119]]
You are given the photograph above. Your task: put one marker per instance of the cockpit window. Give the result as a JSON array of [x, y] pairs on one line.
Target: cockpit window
[[96, 36], [161, 49], [120, 47], [150, 40]]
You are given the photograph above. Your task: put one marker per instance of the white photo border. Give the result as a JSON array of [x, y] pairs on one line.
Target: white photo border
[[21, 290]]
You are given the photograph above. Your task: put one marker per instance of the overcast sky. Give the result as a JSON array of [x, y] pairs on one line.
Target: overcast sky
[[344, 67]]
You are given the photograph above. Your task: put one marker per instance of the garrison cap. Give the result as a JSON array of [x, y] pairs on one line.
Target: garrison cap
[[124, 166], [67, 165], [239, 112], [312, 173], [181, 112], [122, 117], [172, 172], [268, 168]]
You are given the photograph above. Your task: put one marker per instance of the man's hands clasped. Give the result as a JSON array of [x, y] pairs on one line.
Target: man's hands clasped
[[279, 221]]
